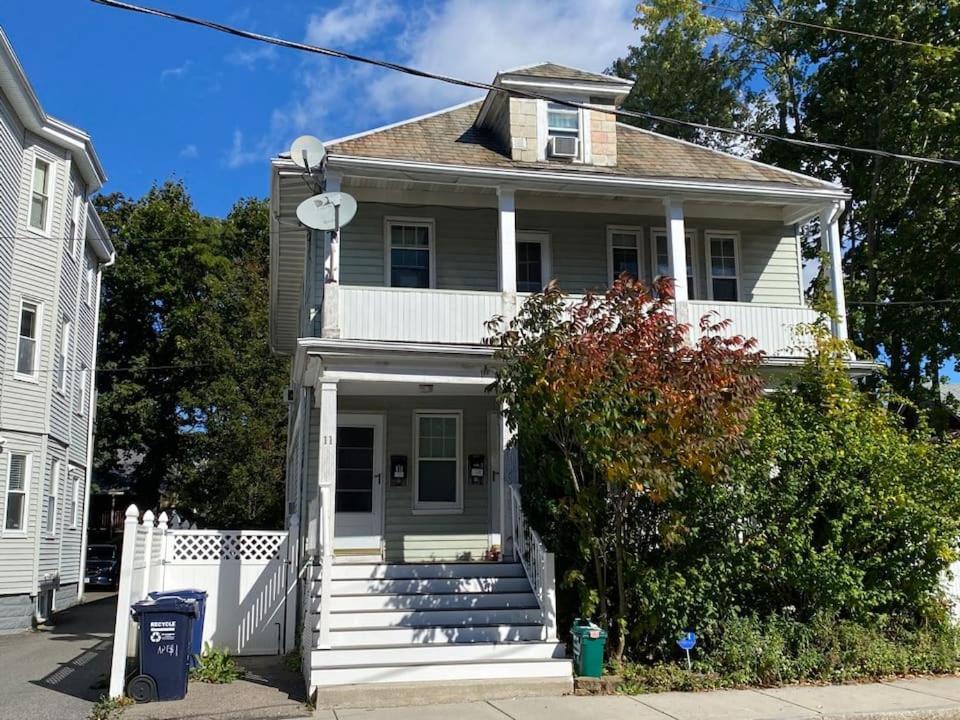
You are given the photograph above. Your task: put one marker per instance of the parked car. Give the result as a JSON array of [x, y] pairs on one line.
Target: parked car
[[103, 566]]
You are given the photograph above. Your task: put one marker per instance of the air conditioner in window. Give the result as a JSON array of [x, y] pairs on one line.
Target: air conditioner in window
[[564, 146]]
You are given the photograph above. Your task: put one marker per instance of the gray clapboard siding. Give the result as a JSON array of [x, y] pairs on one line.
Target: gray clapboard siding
[[18, 549]]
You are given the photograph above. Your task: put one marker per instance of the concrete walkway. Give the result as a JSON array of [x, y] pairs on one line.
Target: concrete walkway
[[59, 672], [922, 699]]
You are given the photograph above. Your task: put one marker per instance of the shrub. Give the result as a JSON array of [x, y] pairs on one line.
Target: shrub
[[215, 665]]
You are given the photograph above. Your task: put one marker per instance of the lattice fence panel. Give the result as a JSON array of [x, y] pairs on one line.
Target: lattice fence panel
[[189, 546]]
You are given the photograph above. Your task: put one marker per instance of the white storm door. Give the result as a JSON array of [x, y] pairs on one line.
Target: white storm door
[[358, 502]]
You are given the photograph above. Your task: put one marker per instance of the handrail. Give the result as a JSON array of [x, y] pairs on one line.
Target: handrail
[[538, 563]]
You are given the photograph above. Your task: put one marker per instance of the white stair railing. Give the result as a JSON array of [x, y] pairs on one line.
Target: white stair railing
[[538, 563]]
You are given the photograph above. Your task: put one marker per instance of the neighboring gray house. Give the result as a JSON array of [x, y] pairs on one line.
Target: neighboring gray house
[[398, 460], [52, 249]]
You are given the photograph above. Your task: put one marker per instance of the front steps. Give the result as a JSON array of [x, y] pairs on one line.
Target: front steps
[[436, 623]]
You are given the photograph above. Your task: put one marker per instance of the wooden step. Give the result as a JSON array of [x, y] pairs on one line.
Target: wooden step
[[405, 635], [439, 653], [320, 677], [430, 618], [408, 571], [433, 586], [436, 601]]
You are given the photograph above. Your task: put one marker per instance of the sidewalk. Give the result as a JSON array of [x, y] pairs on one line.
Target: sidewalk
[[921, 699]]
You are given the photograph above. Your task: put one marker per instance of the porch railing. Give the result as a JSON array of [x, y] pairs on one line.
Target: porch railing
[[538, 563]]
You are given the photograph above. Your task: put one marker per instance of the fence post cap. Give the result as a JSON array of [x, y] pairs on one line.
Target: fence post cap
[[162, 521], [132, 513], [148, 517]]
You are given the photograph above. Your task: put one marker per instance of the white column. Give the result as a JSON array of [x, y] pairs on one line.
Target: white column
[[830, 243], [677, 249], [507, 249], [331, 272], [121, 628], [509, 475], [327, 464]]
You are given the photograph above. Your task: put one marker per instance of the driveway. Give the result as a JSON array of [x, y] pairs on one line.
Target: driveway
[[60, 672]]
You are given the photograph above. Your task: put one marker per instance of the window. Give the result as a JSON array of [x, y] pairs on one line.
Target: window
[[410, 253], [623, 252], [355, 469], [18, 471], [661, 259], [50, 499], [74, 229], [63, 354], [562, 121], [533, 261], [723, 266], [75, 513], [89, 270], [81, 396], [27, 344], [437, 467], [40, 195]]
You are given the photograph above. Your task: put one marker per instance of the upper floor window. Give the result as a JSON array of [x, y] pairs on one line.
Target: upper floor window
[[75, 511], [661, 259], [724, 266], [410, 253], [18, 470], [27, 341], [562, 120], [81, 397], [74, 229], [533, 261], [623, 252], [89, 271], [50, 500], [63, 354], [40, 195]]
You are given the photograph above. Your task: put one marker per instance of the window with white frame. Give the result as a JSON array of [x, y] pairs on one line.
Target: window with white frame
[[76, 506], [533, 261], [50, 498], [661, 259], [28, 334], [74, 229], [89, 272], [40, 195], [410, 253], [83, 380], [623, 252], [18, 471], [562, 121], [437, 447], [723, 264], [63, 355]]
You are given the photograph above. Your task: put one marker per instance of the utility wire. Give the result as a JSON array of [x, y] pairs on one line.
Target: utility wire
[[246, 34]]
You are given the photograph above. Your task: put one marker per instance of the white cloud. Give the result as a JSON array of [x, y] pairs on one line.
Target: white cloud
[[189, 151], [351, 23], [177, 71], [252, 57], [241, 154]]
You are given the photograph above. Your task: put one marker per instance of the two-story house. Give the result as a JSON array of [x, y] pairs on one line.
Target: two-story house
[[399, 465], [52, 249]]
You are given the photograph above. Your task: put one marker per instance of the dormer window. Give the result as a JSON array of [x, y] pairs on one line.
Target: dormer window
[[563, 131]]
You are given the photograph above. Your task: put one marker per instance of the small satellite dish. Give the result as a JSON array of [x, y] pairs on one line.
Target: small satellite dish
[[307, 152], [327, 211]]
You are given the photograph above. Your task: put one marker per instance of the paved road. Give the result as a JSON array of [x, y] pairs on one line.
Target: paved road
[[58, 674]]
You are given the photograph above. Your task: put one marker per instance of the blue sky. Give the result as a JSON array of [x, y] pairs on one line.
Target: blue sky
[[163, 99]]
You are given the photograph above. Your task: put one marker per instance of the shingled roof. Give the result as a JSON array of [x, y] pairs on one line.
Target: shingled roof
[[451, 138], [561, 72]]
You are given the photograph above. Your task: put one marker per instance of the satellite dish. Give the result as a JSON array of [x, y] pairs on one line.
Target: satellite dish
[[327, 211], [307, 152]]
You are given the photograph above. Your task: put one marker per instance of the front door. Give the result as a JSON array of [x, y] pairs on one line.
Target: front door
[[359, 491]]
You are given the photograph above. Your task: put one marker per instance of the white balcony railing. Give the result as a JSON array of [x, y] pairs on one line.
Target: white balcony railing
[[458, 316]]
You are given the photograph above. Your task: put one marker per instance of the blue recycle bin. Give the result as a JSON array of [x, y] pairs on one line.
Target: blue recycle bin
[[166, 630], [196, 644]]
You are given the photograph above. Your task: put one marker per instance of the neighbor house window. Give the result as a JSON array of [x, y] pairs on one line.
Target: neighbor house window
[[74, 228], [40, 195], [724, 267], [18, 470], [437, 466], [533, 261], [661, 259], [89, 274], [50, 499], [623, 252], [27, 342], [63, 354], [81, 396], [410, 253], [76, 507]]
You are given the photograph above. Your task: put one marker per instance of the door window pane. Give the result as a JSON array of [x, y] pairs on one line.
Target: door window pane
[[529, 266], [354, 470]]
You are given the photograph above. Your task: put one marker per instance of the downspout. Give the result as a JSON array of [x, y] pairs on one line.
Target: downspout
[[91, 407]]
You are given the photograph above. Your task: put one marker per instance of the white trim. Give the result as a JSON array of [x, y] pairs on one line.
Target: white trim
[[637, 231], [798, 249], [48, 194], [25, 515], [589, 87], [390, 126], [75, 507], [427, 222], [546, 262], [378, 421], [34, 376], [542, 132], [56, 466], [89, 273], [437, 508], [709, 235], [81, 399], [690, 235]]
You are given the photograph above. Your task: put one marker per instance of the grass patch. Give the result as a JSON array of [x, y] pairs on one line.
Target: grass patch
[[108, 708], [216, 666]]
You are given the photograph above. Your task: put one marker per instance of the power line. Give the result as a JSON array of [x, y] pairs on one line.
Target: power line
[[280, 42], [881, 303], [827, 28]]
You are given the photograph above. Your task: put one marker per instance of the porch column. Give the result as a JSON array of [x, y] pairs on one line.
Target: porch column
[[326, 401], [830, 244], [331, 271], [507, 249], [677, 250]]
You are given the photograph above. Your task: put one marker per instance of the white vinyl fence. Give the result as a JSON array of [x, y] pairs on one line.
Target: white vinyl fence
[[249, 577]]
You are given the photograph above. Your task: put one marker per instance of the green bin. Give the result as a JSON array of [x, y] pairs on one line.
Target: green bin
[[588, 642]]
